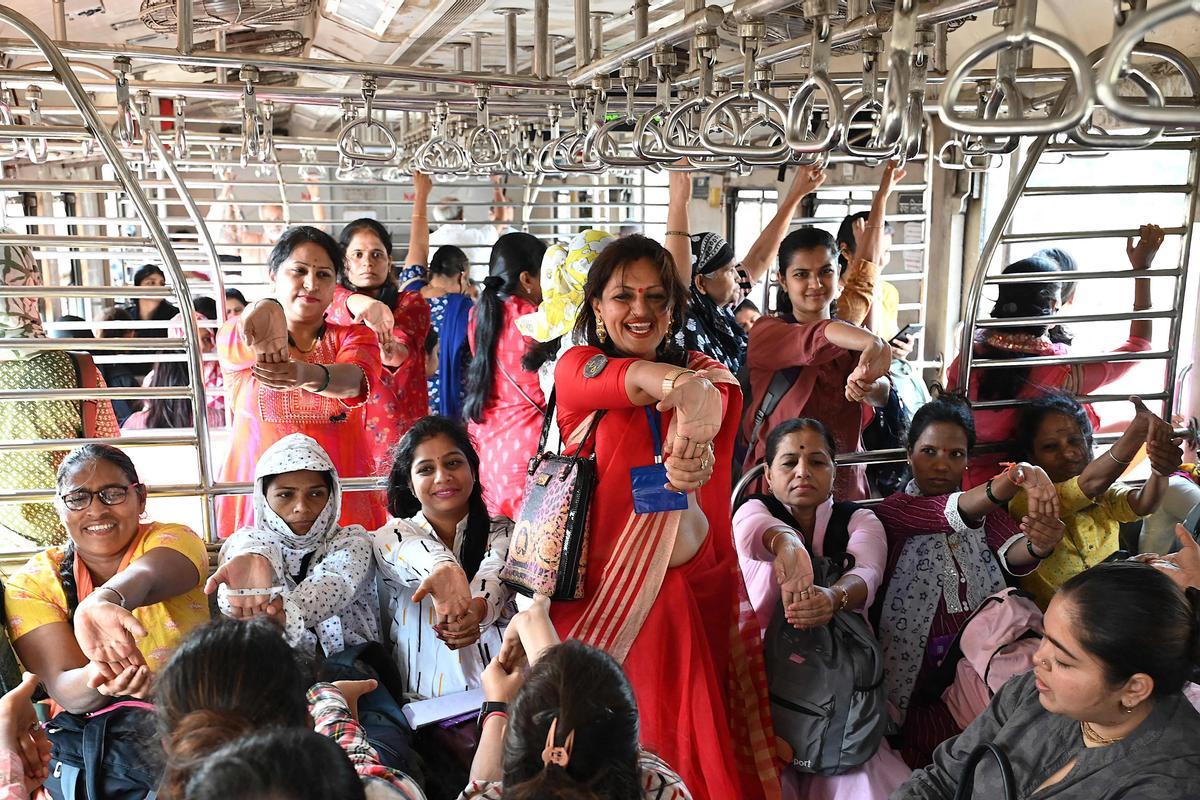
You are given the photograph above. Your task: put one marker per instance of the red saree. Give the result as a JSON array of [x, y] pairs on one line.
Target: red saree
[[686, 636]]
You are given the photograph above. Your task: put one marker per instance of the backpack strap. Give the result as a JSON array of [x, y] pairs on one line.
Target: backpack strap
[[68, 779], [93, 755], [305, 563], [780, 385], [85, 374]]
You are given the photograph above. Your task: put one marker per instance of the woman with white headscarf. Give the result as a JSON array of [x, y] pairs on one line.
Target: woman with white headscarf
[[23, 368], [297, 564]]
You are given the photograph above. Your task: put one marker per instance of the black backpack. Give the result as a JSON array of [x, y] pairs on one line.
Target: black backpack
[[828, 699], [110, 754]]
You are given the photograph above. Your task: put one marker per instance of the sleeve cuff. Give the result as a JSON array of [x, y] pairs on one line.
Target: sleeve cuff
[[1002, 554]]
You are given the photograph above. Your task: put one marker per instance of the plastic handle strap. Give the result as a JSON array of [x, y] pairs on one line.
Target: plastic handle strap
[[799, 116], [348, 143], [1018, 36]]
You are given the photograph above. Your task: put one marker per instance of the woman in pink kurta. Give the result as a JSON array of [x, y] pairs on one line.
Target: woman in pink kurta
[[777, 533], [288, 371], [504, 405]]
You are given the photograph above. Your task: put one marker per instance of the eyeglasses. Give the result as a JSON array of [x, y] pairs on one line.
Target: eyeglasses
[[109, 496]]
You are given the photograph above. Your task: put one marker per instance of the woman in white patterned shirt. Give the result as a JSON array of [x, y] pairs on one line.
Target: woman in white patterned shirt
[[440, 558]]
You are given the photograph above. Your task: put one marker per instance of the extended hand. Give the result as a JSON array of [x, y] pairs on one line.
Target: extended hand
[[447, 585], [265, 328], [247, 571], [1042, 494], [106, 632], [1141, 255], [287, 376], [1043, 532], [21, 733]]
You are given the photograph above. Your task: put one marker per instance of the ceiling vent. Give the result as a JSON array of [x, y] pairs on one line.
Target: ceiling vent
[[159, 15], [258, 42]]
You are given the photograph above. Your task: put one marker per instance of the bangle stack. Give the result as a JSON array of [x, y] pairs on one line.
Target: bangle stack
[[679, 233], [1119, 461], [1034, 553], [987, 487], [845, 598]]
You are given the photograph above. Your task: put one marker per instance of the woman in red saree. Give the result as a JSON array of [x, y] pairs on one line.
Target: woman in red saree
[[287, 370], [663, 592]]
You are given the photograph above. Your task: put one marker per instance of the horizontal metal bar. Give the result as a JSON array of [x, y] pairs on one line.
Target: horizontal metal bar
[[1052, 236], [1092, 398], [121, 324], [1086, 275], [234, 61], [1048, 361], [70, 133], [163, 440], [99, 392], [76, 241], [1131, 188], [102, 292], [1018, 322], [95, 344]]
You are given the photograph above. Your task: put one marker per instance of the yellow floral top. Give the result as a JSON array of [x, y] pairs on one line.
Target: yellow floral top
[[1093, 528], [34, 596]]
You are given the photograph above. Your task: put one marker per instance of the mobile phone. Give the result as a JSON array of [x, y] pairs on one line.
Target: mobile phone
[[908, 331]]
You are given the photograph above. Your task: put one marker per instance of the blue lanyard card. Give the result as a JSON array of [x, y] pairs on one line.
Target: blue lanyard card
[[650, 494]]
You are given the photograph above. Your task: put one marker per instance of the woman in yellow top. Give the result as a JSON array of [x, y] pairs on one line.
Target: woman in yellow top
[[1056, 435], [98, 618]]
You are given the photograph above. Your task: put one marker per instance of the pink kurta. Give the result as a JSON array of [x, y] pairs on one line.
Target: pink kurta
[[401, 396], [1000, 424], [512, 417], [884, 772], [820, 391], [263, 416]]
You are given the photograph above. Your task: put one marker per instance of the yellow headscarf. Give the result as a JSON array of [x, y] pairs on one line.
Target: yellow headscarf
[[564, 273]]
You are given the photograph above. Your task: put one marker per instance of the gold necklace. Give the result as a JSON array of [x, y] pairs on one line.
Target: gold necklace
[[1091, 736]]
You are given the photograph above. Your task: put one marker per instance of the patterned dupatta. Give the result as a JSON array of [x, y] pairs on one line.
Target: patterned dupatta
[[931, 568], [629, 587]]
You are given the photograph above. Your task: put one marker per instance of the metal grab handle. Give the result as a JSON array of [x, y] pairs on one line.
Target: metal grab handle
[[182, 147], [689, 147], [1083, 94], [1119, 51], [484, 148], [647, 126], [602, 147], [747, 153], [37, 150], [562, 155], [348, 144], [1006, 92], [441, 155], [1154, 96], [866, 104], [14, 148], [125, 129], [799, 115]]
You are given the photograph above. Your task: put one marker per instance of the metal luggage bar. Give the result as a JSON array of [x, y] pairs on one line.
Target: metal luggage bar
[[1089, 275], [1058, 236]]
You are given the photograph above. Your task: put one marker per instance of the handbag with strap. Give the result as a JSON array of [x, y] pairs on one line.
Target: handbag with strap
[[110, 754], [966, 782], [547, 552]]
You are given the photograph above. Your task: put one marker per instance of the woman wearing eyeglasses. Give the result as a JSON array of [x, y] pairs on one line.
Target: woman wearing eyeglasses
[[97, 618]]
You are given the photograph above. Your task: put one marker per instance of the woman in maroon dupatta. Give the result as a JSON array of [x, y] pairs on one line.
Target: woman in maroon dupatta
[[663, 592]]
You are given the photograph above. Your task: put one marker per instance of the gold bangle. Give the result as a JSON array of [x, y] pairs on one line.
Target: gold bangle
[[679, 233], [1119, 461], [668, 384]]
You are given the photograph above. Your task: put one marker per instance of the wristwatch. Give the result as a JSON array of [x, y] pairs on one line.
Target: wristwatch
[[489, 707]]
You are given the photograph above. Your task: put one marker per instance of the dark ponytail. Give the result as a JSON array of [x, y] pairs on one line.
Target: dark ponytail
[[402, 503], [512, 255], [1134, 619], [1019, 300], [587, 693]]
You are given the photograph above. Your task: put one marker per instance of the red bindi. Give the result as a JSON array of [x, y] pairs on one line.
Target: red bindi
[[640, 290]]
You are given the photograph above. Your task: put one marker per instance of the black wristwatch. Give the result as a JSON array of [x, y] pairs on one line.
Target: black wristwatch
[[489, 707]]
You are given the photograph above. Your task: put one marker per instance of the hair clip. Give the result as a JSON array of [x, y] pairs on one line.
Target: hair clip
[[552, 754]]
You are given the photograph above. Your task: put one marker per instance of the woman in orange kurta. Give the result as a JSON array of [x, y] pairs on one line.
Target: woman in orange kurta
[[663, 593], [287, 370]]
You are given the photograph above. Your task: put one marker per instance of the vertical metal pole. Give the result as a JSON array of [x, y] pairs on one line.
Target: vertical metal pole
[[219, 46], [598, 18], [477, 52], [183, 15], [641, 30], [1179, 301], [583, 47], [60, 20], [542, 57]]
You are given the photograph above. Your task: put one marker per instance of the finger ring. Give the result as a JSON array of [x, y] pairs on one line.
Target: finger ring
[[704, 463]]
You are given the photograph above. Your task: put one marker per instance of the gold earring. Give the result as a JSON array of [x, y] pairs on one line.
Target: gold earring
[[601, 331]]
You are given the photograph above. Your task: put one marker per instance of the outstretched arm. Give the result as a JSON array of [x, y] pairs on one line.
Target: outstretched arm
[[1141, 257], [418, 237], [765, 249], [679, 243]]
